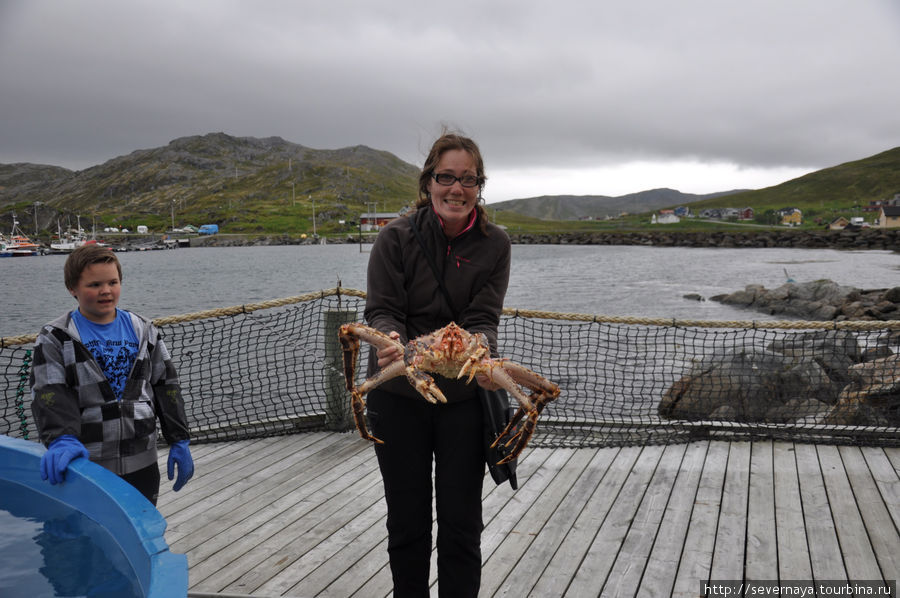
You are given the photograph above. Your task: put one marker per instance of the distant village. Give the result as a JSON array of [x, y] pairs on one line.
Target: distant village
[[886, 212]]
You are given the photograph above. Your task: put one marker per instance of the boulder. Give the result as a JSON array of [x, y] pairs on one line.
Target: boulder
[[748, 386], [797, 377], [872, 398]]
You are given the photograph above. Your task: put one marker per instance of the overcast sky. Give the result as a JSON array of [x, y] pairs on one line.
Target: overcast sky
[[600, 97]]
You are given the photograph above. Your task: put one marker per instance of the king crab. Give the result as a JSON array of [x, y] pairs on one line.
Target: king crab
[[451, 352]]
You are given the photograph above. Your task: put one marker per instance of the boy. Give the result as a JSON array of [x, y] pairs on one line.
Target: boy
[[100, 378]]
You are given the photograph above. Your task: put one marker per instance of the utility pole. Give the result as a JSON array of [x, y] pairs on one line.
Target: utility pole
[[173, 214], [293, 196], [314, 214], [36, 204]]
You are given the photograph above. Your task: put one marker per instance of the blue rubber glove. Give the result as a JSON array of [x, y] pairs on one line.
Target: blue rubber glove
[[180, 454], [58, 456]]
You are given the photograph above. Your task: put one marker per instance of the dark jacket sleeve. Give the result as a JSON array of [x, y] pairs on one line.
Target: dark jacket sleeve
[[386, 294]]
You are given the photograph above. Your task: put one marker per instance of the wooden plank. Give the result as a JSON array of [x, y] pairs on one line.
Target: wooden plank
[[856, 547], [274, 545], [824, 548], [519, 522], [697, 553], [316, 572], [345, 516], [761, 558], [273, 506], [532, 568], [729, 553], [887, 478], [503, 506], [662, 565], [793, 546], [567, 559], [541, 527], [882, 532], [226, 477], [598, 561], [628, 568]]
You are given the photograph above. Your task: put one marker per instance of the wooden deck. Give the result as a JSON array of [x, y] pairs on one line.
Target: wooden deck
[[304, 516]]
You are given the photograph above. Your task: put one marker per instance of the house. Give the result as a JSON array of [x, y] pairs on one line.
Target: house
[[682, 211], [373, 221], [746, 214], [791, 216], [665, 217], [838, 223], [889, 217]]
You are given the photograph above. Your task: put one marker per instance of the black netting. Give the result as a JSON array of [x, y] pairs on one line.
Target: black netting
[[275, 368]]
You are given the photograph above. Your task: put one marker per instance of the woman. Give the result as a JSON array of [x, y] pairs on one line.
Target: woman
[[405, 301]]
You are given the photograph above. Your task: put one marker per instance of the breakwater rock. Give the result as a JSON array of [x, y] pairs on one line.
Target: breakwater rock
[[818, 300], [822, 377], [866, 238]]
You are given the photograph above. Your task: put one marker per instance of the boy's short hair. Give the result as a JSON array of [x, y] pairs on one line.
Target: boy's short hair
[[85, 256]]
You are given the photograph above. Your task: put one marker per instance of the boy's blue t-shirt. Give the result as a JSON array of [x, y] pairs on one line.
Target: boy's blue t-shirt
[[113, 345]]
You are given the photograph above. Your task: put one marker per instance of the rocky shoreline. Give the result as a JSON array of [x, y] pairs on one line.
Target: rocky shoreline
[[818, 300], [867, 238]]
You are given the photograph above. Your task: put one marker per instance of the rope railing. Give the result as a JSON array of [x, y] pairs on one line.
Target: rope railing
[[274, 367]]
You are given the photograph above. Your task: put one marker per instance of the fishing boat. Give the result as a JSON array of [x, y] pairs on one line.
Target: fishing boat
[[70, 240], [18, 244]]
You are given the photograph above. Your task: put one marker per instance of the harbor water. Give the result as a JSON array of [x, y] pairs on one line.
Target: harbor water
[[601, 280]]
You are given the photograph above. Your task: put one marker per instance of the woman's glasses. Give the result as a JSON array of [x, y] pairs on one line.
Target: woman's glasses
[[446, 179]]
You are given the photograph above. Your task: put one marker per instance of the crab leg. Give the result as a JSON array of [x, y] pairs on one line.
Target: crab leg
[[359, 416], [509, 375], [350, 336]]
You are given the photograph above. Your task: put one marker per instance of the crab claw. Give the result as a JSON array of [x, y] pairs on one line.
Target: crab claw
[[425, 385]]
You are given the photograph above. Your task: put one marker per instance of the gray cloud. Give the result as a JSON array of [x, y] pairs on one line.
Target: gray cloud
[[762, 84]]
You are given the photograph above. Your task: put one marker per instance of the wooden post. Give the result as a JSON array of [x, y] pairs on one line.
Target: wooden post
[[337, 399]]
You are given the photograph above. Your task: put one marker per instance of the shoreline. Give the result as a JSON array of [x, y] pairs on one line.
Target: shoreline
[[863, 239]]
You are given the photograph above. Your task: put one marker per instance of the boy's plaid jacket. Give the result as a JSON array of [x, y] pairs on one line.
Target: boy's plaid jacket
[[70, 395]]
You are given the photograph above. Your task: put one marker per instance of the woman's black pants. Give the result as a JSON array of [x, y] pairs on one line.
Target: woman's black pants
[[415, 431]]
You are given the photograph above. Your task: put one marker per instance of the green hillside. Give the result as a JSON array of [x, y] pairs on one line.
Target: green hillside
[[272, 186], [245, 185], [825, 194]]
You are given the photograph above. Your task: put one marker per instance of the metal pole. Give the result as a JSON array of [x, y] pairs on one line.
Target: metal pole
[[314, 217]]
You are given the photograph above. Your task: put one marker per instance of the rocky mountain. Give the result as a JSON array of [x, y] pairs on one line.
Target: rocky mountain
[[213, 178]]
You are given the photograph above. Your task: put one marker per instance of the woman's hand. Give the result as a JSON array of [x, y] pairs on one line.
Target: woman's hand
[[388, 355]]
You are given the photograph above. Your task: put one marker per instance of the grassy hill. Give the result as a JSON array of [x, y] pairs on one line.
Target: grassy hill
[[825, 194], [272, 186], [243, 184]]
